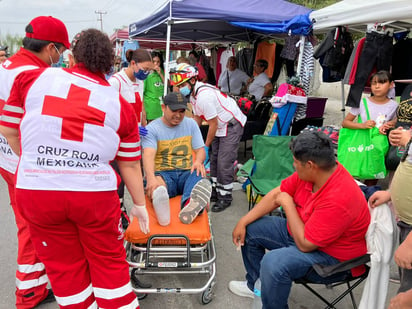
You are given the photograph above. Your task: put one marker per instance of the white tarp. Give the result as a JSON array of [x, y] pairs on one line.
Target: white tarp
[[361, 12]]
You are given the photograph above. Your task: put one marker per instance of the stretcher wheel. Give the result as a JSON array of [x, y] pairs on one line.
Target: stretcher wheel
[[136, 281], [207, 295], [141, 296]]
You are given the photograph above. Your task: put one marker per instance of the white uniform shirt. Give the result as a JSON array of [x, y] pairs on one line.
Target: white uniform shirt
[[210, 103], [131, 91], [236, 78], [257, 87], [72, 124]]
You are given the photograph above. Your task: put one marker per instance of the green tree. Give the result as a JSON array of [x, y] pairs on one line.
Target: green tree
[[13, 42], [314, 4]]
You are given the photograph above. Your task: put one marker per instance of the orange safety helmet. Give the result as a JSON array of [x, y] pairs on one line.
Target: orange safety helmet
[[182, 73]]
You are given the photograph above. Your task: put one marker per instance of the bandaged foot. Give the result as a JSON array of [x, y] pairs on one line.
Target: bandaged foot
[[161, 205], [199, 199]]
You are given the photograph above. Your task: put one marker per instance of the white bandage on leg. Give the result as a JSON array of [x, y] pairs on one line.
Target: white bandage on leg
[[161, 205]]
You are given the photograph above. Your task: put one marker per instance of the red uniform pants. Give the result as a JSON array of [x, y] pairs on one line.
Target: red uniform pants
[[31, 278], [79, 237]]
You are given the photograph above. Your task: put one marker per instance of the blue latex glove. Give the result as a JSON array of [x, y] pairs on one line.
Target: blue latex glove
[[207, 155], [142, 131]]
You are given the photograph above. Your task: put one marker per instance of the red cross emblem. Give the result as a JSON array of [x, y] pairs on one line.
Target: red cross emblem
[[74, 111]]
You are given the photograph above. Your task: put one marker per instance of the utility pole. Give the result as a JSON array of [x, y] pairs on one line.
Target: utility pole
[[100, 18]]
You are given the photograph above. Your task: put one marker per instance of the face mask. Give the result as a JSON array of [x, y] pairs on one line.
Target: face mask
[[142, 75], [58, 64], [185, 91]]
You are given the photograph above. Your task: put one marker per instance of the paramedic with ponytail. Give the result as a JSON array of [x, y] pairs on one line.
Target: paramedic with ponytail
[[46, 39], [67, 125]]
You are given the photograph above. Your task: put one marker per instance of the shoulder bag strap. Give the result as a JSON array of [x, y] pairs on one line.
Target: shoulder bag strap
[[365, 103], [228, 80]]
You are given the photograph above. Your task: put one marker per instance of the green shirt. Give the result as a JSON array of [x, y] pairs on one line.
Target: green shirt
[[153, 93]]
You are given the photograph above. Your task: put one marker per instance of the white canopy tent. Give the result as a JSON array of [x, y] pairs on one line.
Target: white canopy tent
[[357, 14]]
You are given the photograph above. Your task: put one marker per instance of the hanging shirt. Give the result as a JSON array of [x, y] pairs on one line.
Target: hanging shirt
[[132, 91], [267, 51], [71, 123], [23, 60]]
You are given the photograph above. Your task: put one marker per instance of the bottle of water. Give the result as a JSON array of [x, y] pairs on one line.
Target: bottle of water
[[257, 301]]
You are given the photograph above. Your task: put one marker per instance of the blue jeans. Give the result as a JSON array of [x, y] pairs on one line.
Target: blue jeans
[[180, 182], [282, 264]]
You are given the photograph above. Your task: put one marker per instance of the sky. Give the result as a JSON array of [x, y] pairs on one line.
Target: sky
[[76, 14]]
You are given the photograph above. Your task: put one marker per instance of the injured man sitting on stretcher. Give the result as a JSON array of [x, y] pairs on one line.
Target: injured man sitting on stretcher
[[167, 161]]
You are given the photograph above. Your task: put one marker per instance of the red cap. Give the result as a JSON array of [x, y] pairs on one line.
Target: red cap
[[48, 28]]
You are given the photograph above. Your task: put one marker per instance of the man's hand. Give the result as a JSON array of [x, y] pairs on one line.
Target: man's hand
[[403, 255], [378, 198], [151, 185], [199, 168], [399, 137], [140, 212], [402, 301], [238, 234]]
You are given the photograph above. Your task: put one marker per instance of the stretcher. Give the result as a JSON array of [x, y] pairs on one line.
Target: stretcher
[[172, 251]]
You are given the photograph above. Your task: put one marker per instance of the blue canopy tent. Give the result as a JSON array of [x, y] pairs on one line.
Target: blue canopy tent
[[221, 21]]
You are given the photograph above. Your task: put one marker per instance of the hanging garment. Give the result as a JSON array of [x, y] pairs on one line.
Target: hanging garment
[[279, 62], [336, 50], [402, 63], [266, 50], [245, 60], [306, 77], [377, 50]]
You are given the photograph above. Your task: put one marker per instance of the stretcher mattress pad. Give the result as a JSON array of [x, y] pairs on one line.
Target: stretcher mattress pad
[[198, 231]]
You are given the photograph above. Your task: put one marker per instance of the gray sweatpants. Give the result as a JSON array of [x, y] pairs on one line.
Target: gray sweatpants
[[224, 154]]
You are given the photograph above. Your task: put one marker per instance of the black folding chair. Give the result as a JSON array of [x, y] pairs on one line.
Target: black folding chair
[[330, 271]]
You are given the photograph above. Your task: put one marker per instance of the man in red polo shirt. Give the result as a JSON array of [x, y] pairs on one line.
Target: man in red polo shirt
[[327, 219], [45, 41]]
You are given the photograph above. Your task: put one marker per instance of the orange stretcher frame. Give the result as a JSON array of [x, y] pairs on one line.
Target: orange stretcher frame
[[198, 231]]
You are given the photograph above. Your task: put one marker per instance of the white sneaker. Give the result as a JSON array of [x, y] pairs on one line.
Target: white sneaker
[[240, 288]]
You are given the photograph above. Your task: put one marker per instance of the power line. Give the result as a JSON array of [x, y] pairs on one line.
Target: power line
[[100, 18]]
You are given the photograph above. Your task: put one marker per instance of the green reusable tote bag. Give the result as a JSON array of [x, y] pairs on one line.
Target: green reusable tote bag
[[362, 151]]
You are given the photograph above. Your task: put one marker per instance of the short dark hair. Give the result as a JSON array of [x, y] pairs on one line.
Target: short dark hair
[[314, 146], [94, 50], [37, 45], [382, 77], [263, 63]]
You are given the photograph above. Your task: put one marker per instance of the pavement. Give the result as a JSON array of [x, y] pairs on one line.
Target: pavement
[[229, 261]]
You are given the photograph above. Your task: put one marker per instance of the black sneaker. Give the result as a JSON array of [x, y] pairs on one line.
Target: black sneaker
[[213, 197], [49, 299], [221, 205]]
